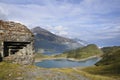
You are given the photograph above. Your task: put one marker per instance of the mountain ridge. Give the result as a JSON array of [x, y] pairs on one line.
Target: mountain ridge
[[52, 43]]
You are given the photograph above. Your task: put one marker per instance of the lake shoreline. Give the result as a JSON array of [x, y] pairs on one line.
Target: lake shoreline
[[71, 59]]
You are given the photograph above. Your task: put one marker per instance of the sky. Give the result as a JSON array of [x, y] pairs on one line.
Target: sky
[[95, 21]]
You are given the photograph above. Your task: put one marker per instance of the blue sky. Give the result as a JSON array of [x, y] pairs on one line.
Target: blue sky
[[95, 21]]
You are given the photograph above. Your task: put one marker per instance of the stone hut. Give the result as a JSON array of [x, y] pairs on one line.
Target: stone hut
[[16, 43]]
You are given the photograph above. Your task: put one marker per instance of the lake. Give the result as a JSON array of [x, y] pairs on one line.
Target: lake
[[65, 63]]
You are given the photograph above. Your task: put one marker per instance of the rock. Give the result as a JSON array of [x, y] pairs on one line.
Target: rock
[[19, 78]]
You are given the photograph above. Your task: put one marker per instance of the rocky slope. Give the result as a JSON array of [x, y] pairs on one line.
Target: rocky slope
[[48, 42]]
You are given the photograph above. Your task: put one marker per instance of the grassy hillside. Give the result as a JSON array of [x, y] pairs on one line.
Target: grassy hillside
[[108, 50], [109, 65], [85, 52], [111, 56]]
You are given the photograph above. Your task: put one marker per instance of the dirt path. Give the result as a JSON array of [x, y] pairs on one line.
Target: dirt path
[[49, 74]]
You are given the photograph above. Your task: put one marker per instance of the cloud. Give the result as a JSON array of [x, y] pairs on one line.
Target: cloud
[[55, 12], [28, 14], [2, 14], [59, 30], [90, 20]]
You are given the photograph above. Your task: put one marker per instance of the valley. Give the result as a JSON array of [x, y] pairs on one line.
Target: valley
[[59, 39], [103, 70], [70, 60], [106, 69]]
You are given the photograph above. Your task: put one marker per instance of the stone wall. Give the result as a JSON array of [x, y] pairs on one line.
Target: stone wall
[[15, 32], [23, 56]]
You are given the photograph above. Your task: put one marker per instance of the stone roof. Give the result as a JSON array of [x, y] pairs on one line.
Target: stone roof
[[11, 31]]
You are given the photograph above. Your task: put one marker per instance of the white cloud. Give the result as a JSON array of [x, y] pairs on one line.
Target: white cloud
[[2, 14], [63, 33], [66, 13], [87, 19], [59, 30]]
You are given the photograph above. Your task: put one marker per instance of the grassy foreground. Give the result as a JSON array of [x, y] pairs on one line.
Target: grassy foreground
[[10, 71], [83, 73], [107, 69]]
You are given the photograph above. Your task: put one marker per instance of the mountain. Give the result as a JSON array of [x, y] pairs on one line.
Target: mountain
[[49, 43], [81, 41], [84, 52]]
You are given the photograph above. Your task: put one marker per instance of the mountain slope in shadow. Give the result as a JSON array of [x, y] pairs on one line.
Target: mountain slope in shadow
[[49, 43]]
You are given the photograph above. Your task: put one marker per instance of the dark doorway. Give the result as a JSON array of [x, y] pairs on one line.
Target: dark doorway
[[13, 46], [0, 57]]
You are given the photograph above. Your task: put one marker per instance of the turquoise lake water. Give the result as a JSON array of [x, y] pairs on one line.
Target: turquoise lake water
[[64, 63]]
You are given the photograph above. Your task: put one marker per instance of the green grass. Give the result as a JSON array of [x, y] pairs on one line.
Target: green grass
[[108, 50], [83, 73], [109, 66], [106, 71], [110, 58], [40, 55], [9, 71], [81, 53], [94, 76]]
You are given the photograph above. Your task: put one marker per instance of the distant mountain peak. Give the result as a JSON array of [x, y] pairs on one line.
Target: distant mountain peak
[[51, 42], [40, 30]]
